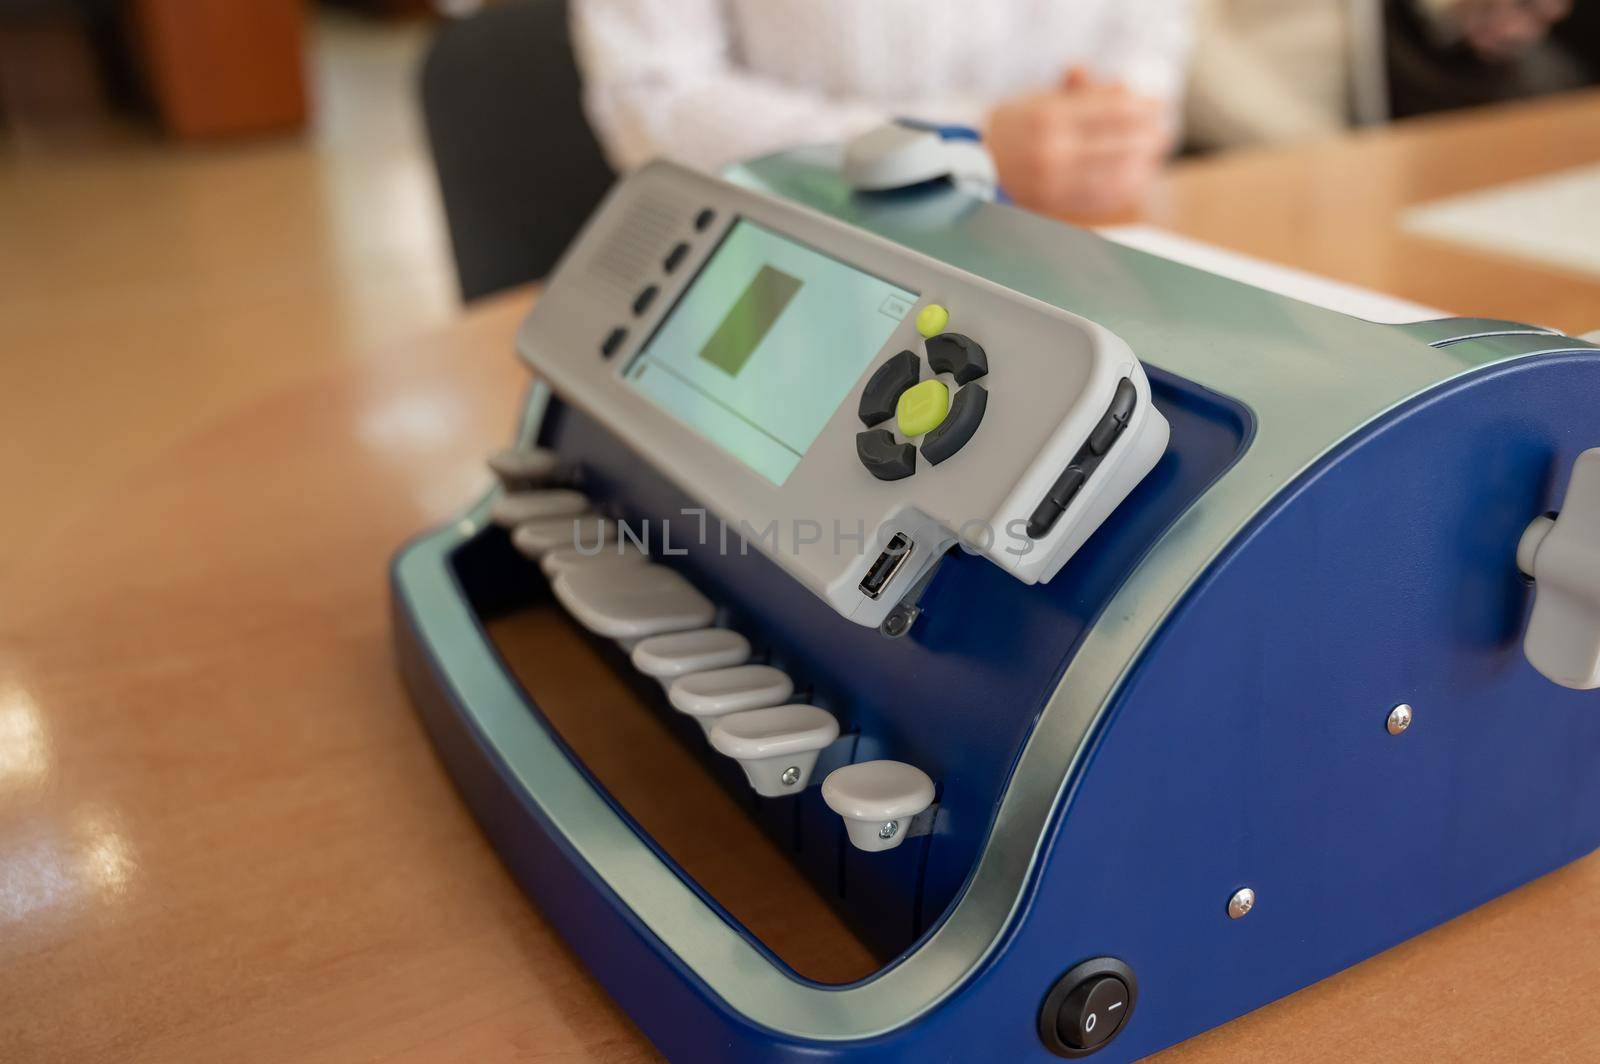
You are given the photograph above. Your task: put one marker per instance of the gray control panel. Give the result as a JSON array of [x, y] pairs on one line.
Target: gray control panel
[[847, 406]]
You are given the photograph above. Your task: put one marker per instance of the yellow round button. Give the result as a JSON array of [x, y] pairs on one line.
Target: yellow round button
[[922, 408], [932, 320]]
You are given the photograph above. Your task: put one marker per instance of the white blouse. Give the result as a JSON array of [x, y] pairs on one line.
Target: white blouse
[[707, 82]]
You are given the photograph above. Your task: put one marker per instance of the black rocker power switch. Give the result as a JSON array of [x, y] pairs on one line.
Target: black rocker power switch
[[1087, 1007]]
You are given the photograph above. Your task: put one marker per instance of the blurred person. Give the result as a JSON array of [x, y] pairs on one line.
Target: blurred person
[[1077, 99], [1495, 30], [1274, 71], [1277, 71], [1444, 54]]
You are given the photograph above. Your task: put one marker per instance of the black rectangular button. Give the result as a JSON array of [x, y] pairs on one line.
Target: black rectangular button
[[1056, 501], [1105, 434], [642, 301], [1123, 402], [1066, 486], [675, 257], [613, 340], [1043, 519]]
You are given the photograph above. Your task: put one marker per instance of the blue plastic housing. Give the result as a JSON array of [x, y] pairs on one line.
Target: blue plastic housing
[[1246, 748]]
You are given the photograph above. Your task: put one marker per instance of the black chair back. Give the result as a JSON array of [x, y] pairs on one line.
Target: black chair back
[[519, 169]]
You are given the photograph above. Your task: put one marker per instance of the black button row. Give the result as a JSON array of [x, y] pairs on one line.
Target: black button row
[[1067, 485], [647, 295]]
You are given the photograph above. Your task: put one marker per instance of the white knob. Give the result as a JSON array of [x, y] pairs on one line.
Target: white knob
[[666, 657], [878, 800], [1563, 557], [596, 552], [777, 746], [523, 466], [632, 601], [709, 695], [515, 507], [538, 538]]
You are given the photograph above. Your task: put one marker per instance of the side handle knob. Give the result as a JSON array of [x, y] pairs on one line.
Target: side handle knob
[[879, 801], [1562, 554]]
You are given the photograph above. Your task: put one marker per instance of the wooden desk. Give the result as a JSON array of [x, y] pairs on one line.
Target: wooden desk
[[223, 835]]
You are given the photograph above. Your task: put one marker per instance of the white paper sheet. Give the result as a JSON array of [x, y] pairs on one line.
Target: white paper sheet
[[1554, 219], [1285, 280]]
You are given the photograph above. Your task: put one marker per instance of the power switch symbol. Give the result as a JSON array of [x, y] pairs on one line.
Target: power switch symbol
[[1087, 1007], [1093, 1012]]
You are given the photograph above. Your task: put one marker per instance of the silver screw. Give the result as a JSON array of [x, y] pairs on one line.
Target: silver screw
[[1399, 719], [888, 830], [790, 775], [1243, 900]]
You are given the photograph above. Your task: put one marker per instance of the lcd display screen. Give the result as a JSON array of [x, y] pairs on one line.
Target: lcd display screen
[[764, 345]]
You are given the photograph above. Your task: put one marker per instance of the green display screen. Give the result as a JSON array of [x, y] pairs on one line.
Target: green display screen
[[764, 345], [750, 319]]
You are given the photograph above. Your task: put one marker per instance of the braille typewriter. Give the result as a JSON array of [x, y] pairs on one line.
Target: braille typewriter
[[910, 628]]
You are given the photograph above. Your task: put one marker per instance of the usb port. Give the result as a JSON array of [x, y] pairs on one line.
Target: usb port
[[889, 562]]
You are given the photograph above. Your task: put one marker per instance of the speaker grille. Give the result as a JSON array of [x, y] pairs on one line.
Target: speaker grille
[[631, 252]]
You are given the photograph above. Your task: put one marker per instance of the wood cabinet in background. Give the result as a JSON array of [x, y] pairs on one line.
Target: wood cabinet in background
[[222, 67]]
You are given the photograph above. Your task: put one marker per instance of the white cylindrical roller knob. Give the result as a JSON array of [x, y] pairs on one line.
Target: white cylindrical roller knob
[[777, 746], [1563, 557], [878, 800]]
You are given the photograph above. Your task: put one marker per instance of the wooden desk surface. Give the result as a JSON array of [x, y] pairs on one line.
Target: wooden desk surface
[[223, 836]]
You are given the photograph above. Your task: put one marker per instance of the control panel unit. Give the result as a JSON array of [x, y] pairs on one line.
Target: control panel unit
[[849, 407]]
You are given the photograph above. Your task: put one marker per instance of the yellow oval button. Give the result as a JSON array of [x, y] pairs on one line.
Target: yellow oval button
[[922, 408], [932, 319]]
